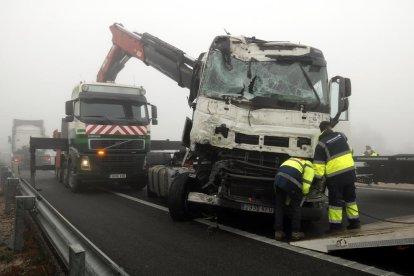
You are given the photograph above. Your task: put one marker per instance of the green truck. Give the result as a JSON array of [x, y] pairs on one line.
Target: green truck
[[107, 127]]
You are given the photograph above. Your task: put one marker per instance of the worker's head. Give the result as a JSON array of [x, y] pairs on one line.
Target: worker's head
[[367, 147], [324, 125]]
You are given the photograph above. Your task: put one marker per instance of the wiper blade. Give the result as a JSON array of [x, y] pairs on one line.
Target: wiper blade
[[308, 80]]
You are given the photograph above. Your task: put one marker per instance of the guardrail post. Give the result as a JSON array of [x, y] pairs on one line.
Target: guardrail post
[[76, 260], [22, 203], [4, 174], [9, 193]]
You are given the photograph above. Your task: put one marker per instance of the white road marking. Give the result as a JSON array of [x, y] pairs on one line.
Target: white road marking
[[318, 255], [385, 189], [156, 206]]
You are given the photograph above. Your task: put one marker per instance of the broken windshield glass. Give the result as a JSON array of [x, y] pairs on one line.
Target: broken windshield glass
[[281, 81]]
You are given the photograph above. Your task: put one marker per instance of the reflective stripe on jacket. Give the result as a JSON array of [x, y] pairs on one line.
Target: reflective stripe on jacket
[[333, 155], [302, 175]]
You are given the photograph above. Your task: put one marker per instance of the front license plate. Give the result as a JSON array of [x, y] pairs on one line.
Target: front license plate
[[256, 208], [118, 175]]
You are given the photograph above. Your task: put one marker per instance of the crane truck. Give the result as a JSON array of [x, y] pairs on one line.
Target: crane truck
[[107, 129], [255, 104]]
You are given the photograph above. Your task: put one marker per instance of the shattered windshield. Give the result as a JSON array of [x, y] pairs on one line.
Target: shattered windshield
[[287, 81]]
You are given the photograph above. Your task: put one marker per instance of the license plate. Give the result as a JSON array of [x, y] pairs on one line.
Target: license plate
[[117, 176], [256, 208]]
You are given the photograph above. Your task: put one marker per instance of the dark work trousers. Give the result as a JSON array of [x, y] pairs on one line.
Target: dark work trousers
[[295, 200], [341, 189]]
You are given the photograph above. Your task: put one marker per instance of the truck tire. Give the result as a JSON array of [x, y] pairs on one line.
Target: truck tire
[[177, 198], [73, 182]]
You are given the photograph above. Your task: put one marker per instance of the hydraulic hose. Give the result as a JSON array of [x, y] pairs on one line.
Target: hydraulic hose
[[365, 214]]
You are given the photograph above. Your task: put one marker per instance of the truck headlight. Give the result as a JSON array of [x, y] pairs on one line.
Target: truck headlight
[[85, 165]]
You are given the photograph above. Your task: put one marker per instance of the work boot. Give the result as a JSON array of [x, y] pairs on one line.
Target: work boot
[[279, 235], [354, 225], [297, 236]]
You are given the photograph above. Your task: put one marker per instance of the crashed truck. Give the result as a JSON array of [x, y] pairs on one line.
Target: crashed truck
[[255, 104]]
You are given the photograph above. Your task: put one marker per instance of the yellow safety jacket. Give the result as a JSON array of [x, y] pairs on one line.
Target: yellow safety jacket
[[298, 171], [333, 155]]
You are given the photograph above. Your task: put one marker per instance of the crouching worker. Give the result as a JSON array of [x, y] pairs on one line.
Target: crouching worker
[[292, 182]]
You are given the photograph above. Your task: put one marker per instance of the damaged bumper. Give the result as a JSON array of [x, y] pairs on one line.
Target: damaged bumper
[[308, 213]]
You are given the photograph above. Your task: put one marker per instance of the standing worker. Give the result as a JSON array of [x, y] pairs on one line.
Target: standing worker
[[292, 181], [369, 151], [333, 160]]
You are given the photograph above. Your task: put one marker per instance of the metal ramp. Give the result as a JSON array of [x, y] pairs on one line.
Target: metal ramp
[[376, 234]]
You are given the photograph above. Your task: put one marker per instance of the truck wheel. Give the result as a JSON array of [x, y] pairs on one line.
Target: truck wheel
[[73, 181], [177, 198]]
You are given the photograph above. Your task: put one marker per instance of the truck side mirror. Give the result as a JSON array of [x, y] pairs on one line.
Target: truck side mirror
[[347, 87], [340, 90], [69, 118], [69, 108], [154, 115], [185, 138]]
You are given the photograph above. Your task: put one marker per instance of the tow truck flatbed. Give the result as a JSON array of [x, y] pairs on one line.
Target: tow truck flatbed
[[376, 234]]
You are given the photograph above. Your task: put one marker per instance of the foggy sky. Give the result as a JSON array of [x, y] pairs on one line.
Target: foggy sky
[[47, 47]]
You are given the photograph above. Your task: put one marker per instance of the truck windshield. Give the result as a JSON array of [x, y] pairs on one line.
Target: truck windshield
[[287, 81], [114, 110]]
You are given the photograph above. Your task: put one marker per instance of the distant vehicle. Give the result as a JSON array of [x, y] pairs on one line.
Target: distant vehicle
[[20, 139], [45, 157]]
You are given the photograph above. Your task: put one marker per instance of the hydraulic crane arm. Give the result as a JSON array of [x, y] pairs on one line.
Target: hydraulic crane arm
[[151, 50]]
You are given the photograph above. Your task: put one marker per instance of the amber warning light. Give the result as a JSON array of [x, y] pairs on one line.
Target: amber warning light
[[101, 152]]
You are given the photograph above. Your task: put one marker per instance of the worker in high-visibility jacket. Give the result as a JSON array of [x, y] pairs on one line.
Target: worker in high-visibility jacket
[[333, 160], [369, 151], [292, 182]]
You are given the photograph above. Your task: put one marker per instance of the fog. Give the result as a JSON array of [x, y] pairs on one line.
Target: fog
[[47, 47]]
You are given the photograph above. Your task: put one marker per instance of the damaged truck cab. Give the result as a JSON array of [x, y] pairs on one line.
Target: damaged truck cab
[[257, 104]]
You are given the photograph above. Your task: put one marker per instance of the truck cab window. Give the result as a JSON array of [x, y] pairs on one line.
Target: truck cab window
[[76, 108], [139, 111]]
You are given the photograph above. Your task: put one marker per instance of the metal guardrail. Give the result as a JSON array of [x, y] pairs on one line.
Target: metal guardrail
[[67, 240]]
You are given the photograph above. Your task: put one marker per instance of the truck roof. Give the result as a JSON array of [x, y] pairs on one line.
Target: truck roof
[[246, 48], [106, 87]]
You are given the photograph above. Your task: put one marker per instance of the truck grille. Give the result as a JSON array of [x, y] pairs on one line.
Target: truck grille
[[246, 139], [275, 141], [257, 190], [117, 144], [121, 163]]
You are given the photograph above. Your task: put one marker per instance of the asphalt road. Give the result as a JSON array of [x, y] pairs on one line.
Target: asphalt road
[[144, 240]]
